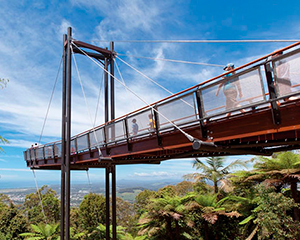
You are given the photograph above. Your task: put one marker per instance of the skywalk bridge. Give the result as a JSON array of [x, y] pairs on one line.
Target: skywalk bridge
[[196, 122]]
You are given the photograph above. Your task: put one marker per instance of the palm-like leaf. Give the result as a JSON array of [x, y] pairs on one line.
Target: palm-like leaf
[[213, 170], [42, 232]]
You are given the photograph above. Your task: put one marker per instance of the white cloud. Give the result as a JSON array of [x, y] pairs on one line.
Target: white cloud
[[156, 174], [18, 143], [62, 29], [15, 170]]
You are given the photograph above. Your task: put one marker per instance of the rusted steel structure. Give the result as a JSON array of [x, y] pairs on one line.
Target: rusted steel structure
[[192, 123]]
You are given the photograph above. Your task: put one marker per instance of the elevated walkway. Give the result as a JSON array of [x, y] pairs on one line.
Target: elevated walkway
[[264, 119]]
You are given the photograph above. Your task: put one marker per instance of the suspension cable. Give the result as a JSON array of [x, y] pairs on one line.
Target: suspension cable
[[201, 41], [98, 100], [142, 125], [79, 78], [172, 60], [153, 81], [121, 76], [89, 181], [145, 76], [94, 210], [50, 100], [178, 128], [39, 194]]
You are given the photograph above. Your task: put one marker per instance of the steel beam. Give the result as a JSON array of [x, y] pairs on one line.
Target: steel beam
[[68, 133], [107, 222], [114, 202], [272, 93], [63, 145]]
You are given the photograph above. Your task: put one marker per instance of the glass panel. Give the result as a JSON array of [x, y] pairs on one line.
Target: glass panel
[[28, 155], [287, 74], [57, 149], [233, 92], [139, 124], [181, 110], [82, 142], [40, 153], [97, 137], [25, 155], [73, 146], [115, 131], [49, 151], [32, 154]]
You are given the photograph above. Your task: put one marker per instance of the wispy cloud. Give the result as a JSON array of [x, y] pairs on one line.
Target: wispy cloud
[[14, 170], [156, 174]]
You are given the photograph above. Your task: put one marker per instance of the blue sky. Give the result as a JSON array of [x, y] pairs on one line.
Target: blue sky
[[31, 47]]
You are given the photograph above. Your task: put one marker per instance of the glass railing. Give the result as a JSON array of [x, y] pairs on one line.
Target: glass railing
[[287, 74], [233, 92], [242, 91]]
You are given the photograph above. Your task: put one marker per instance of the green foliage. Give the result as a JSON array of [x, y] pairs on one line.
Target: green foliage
[[12, 221], [3, 141], [100, 232], [184, 187], [208, 215], [213, 170], [50, 203], [3, 82], [281, 161], [125, 214], [271, 216], [42, 232], [248, 211], [92, 211], [280, 170], [142, 200], [165, 218]]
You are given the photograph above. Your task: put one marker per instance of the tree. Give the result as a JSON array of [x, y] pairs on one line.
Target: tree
[[142, 200], [100, 232], [165, 218], [92, 211], [50, 202], [213, 170], [125, 214], [279, 170], [42, 232], [271, 218], [184, 187], [12, 221], [205, 211]]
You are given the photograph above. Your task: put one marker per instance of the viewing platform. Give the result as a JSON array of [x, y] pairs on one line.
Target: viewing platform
[[196, 122]]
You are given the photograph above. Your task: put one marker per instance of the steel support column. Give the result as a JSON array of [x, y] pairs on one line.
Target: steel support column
[[107, 222], [68, 134], [106, 90], [114, 202], [63, 143], [113, 168], [112, 84], [272, 94]]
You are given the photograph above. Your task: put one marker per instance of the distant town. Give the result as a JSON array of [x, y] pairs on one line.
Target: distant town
[[127, 190]]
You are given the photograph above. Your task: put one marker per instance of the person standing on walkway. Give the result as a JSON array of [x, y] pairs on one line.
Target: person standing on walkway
[[231, 89]]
